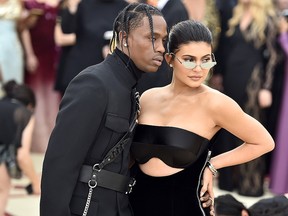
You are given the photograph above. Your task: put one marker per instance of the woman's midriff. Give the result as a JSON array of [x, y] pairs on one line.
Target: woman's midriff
[[157, 168]]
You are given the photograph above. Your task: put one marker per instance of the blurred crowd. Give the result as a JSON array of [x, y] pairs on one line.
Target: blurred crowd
[[44, 44]]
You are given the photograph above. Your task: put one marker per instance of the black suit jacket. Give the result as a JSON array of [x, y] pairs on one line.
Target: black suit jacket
[[94, 114]]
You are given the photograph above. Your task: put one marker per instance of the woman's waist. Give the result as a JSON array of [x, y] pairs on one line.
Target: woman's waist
[[157, 168]]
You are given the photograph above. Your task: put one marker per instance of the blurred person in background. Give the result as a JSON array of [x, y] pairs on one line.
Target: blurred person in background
[[225, 9], [88, 20], [17, 123], [11, 53], [279, 171], [65, 43], [41, 56], [228, 205], [205, 11], [248, 66]]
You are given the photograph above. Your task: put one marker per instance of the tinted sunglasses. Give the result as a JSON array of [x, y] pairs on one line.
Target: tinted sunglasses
[[192, 65]]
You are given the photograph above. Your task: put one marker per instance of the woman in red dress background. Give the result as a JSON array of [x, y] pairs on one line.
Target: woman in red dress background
[[41, 61]]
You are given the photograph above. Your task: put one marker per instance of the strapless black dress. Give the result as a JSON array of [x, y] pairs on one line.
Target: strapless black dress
[[177, 194]]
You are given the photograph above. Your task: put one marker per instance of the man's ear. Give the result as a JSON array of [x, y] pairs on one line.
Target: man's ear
[[168, 58], [123, 39]]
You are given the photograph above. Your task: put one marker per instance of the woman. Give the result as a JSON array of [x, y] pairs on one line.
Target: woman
[[10, 13], [17, 122], [41, 57], [248, 66], [176, 129], [65, 42], [88, 20]]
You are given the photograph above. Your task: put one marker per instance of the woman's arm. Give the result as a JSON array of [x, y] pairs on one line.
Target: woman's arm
[[265, 94], [257, 141], [31, 59], [62, 39]]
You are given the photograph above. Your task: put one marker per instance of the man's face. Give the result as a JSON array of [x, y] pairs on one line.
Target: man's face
[[140, 45]]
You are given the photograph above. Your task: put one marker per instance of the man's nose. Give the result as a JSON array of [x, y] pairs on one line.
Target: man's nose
[[161, 47]]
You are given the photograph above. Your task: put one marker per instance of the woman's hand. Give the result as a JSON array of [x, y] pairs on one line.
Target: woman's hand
[[265, 98], [206, 193], [73, 5], [31, 63]]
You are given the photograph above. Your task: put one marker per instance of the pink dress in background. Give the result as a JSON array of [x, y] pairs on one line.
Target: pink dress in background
[[43, 79], [279, 170]]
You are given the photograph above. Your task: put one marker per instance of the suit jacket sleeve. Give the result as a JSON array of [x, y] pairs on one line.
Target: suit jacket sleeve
[[81, 111]]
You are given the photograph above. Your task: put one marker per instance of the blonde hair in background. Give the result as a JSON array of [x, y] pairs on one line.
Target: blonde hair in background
[[261, 11]]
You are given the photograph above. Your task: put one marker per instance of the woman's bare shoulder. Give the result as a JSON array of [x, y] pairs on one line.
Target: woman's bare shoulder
[[153, 93], [221, 105], [216, 97]]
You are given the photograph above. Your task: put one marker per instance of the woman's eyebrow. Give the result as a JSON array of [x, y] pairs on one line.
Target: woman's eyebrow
[[187, 55]]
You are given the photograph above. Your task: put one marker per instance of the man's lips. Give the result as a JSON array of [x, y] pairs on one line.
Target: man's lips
[[158, 60]]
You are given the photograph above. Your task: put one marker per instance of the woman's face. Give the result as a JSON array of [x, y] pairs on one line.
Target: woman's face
[[196, 52], [140, 46], [245, 2], [282, 4]]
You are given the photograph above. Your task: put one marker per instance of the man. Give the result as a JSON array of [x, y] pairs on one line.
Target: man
[[94, 115]]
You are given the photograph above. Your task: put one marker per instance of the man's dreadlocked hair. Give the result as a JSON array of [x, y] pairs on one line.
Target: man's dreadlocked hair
[[130, 18]]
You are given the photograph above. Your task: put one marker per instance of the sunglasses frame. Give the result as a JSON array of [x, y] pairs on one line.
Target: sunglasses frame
[[192, 65]]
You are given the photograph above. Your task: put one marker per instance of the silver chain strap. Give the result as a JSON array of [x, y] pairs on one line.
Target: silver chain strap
[[88, 202], [92, 183]]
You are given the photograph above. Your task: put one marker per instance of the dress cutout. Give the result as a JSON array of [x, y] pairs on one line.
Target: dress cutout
[[177, 194]]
